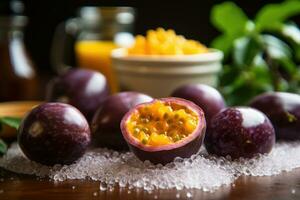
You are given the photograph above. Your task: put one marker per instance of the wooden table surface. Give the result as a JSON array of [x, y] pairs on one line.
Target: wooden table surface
[[285, 186]]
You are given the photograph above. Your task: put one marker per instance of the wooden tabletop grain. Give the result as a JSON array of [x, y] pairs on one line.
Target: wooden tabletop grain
[[285, 186]]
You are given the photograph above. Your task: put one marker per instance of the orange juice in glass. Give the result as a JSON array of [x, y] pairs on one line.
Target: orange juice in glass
[[95, 55]]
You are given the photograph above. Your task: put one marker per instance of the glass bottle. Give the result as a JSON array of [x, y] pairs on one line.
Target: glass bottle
[[18, 80]]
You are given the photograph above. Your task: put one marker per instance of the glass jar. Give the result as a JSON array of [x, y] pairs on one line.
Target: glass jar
[[18, 80], [96, 32]]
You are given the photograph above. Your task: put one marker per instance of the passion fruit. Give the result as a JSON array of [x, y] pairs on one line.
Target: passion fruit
[[240, 132], [84, 89], [54, 133], [163, 129], [106, 130], [206, 97], [283, 109]]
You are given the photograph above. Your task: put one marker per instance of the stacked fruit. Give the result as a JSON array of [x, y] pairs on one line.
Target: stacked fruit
[[80, 114]]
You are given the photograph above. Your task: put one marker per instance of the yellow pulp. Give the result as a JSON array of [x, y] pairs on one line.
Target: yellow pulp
[[162, 123], [95, 55], [165, 42]]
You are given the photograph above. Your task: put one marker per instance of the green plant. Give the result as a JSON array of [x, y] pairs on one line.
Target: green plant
[[261, 54], [11, 122]]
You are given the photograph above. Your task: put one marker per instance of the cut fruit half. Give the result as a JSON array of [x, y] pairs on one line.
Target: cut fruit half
[[164, 129]]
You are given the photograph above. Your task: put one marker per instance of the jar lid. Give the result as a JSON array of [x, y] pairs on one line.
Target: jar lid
[[11, 7], [11, 14], [94, 14]]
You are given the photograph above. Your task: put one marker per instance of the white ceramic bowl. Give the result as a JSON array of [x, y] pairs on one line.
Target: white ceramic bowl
[[158, 75]]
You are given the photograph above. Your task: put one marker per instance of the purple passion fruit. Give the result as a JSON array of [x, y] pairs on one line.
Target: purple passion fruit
[[106, 130], [54, 133], [240, 132], [84, 89], [283, 109], [206, 97], [163, 129]]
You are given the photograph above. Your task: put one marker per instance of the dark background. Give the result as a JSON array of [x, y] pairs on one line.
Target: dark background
[[189, 18]]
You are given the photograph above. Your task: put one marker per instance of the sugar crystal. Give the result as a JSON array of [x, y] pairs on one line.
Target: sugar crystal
[[103, 186], [201, 171], [189, 195], [293, 191]]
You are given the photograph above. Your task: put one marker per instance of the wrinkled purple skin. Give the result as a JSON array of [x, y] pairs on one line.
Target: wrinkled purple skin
[[84, 89], [228, 135], [54, 133], [206, 97], [106, 130], [283, 109], [163, 155]]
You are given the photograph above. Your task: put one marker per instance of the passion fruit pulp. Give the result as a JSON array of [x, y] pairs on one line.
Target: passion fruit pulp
[[164, 129]]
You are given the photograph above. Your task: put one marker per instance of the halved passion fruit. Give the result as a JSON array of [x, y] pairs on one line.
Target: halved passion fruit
[[164, 129]]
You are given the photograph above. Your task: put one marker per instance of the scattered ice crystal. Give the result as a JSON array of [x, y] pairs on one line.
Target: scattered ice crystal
[[103, 186], [201, 171], [189, 195], [293, 191], [73, 187]]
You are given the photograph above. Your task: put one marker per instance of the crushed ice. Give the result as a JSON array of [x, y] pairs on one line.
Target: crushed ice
[[201, 171]]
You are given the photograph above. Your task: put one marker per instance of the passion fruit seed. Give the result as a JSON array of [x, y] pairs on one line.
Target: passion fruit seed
[[175, 128], [167, 119]]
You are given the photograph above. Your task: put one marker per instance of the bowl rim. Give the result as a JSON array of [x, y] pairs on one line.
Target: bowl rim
[[214, 55]]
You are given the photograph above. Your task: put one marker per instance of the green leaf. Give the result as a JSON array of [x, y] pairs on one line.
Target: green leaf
[[10, 121], [292, 32], [288, 65], [262, 79], [224, 43], [245, 50], [275, 47], [3, 147], [272, 15], [228, 18]]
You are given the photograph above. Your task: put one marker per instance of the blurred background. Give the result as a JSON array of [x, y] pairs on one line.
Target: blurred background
[[191, 19]]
